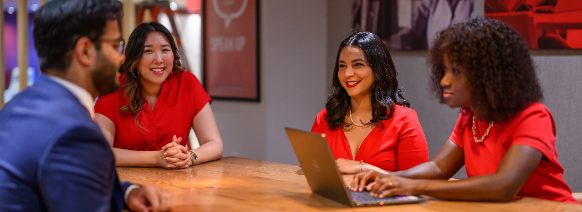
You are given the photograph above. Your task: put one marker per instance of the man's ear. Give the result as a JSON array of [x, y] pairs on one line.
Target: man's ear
[[85, 52]]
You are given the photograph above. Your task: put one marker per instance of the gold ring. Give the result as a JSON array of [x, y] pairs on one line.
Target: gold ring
[[390, 184]]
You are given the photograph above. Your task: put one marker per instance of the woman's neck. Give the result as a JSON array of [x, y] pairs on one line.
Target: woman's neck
[[478, 114], [151, 90], [361, 105]]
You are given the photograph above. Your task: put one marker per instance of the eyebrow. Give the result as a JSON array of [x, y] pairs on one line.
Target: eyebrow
[[165, 45], [359, 59]]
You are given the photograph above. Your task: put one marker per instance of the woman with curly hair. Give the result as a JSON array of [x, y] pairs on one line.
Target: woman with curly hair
[[504, 136], [157, 104], [367, 122]]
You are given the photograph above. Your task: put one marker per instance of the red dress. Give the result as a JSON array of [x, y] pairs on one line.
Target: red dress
[[181, 98], [534, 127], [399, 146]]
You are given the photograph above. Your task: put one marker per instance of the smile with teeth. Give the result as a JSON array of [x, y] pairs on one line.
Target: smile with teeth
[[157, 70], [352, 83]]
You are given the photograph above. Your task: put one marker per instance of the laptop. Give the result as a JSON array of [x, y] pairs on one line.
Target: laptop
[[324, 178]]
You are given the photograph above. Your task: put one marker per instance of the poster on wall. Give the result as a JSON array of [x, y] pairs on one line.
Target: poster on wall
[[543, 24], [406, 25], [231, 49]]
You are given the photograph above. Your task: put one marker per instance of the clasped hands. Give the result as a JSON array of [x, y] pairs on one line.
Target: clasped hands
[[174, 156]]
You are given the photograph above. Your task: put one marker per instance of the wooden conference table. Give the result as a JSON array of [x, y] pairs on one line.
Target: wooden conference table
[[240, 184]]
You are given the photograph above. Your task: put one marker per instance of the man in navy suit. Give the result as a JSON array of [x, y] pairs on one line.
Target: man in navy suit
[[53, 156]]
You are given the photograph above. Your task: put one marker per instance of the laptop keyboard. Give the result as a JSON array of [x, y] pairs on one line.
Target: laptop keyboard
[[364, 198]]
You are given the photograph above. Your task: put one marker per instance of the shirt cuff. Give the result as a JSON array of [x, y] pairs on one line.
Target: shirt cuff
[[131, 187]]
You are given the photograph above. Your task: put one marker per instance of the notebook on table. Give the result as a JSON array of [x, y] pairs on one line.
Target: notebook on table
[[324, 178]]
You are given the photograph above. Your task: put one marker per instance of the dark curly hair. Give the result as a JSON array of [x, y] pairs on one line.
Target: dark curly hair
[[132, 88], [498, 66], [59, 24], [384, 91]]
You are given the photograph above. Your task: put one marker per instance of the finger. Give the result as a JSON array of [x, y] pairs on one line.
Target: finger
[[136, 201], [140, 206], [181, 163], [172, 151], [387, 193], [382, 186], [181, 148], [167, 201], [365, 179], [369, 186], [179, 156], [152, 197], [355, 185], [177, 140], [174, 160], [169, 145]]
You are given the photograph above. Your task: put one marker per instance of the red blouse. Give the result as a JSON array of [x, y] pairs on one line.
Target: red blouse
[[181, 98], [534, 127], [400, 145]]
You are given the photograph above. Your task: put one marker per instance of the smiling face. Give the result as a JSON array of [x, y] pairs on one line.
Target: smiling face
[[456, 89], [157, 60], [354, 73]]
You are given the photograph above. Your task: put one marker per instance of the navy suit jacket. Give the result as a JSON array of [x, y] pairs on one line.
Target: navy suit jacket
[[53, 156]]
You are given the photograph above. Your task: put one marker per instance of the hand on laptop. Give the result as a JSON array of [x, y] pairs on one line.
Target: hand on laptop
[[139, 199], [384, 185]]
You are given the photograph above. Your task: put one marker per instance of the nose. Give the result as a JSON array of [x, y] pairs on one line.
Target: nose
[[349, 72], [158, 58], [446, 81]]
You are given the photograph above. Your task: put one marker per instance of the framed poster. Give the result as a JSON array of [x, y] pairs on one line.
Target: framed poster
[[543, 24], [231, 49], [408, 25]]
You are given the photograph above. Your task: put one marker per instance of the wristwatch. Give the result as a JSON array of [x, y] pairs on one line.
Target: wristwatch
[[194, 157]]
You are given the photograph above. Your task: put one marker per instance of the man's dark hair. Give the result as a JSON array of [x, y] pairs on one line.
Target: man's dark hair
[[59, 24]]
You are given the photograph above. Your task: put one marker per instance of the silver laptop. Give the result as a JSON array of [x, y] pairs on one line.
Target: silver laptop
[[324, 178]]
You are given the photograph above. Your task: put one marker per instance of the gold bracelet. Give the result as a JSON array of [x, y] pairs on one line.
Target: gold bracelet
[[362, 161]]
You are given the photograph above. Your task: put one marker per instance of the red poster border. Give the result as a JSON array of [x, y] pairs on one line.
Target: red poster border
[[257, 97]]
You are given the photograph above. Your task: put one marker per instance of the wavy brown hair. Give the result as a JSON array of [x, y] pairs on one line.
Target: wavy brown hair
[[498, 66], [132, 88], [384, 92]]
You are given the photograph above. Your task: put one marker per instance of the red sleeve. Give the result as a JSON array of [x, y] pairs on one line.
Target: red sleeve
[[200, 95], [536, 128], [105, 105], [319, 120], [457, 135], [412, 147]]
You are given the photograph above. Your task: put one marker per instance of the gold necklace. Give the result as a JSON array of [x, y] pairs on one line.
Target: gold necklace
[[486, 132], [360, 121]]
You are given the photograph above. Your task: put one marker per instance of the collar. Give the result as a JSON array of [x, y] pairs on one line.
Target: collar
[[81, 94]]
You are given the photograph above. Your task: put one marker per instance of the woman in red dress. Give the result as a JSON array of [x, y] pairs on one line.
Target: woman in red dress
[[504, 136], [367, 122], [147, 121]]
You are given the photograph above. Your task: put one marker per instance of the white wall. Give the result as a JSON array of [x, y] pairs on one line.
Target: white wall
[[293, 83]]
